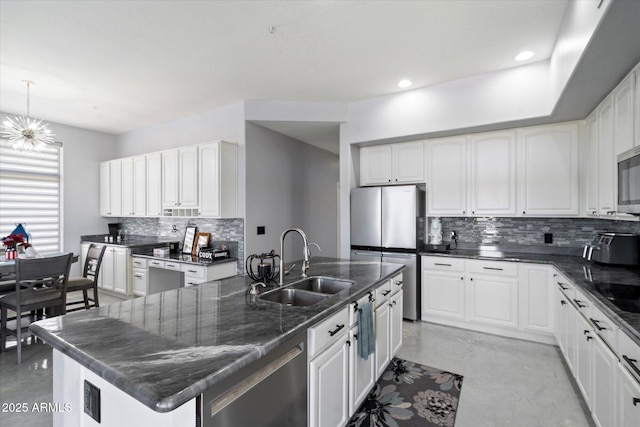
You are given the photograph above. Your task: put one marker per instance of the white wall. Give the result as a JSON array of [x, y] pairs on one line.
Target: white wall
[[83, 150], [289, 184]]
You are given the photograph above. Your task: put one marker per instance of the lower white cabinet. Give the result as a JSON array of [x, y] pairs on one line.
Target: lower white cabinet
[[395, 323], [382, 355], [493, 301], [115, 269], [605, 369], [535, 294], [584, 356], [443, 294], [628, 399]]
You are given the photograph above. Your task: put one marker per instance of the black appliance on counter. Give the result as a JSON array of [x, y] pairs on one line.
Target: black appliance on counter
[[613, 249], [114, 229]]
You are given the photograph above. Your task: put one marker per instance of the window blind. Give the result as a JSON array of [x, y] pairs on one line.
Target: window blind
[[30, 194]]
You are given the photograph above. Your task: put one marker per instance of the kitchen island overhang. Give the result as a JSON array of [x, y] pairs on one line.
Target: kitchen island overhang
[[166, 349]]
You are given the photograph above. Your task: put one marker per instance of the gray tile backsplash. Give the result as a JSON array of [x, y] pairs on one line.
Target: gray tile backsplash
[[220, 229], [567, 232]]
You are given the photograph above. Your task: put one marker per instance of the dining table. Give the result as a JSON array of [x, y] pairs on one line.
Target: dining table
[[8, 266]]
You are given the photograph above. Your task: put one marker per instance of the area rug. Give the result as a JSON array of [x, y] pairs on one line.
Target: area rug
[[409, 394]]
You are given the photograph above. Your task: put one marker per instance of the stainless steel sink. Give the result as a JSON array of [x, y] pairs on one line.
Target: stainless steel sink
[[295, 297], [323, 285]]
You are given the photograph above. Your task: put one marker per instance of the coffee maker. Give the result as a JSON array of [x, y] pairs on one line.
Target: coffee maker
[[114, 230]]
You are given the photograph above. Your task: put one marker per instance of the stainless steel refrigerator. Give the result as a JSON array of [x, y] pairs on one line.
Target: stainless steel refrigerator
[[387, 224]]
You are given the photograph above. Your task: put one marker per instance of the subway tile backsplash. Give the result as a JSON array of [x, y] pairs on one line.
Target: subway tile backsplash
[[567, 232], [220, 229]]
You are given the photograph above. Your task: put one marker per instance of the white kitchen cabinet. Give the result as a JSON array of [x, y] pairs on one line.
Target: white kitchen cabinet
[[637, 105], [628, 399], [114, 271], [583, 369], [395, 323], [140, 276], [493, 300], [592, 161], [111, 188], [548, 170], [605, 365], [623, 116], [536, 295], [382, 318], [361, 373], [329, 372], [154, 184], [139, 186], [180, 178], [442, 294], [492, 165], [127, 186], [401, 163], [446, 164], [217, 186], [565, 333], [606, 161]]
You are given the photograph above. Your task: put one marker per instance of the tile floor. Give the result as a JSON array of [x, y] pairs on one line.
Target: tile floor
[[507, 382]]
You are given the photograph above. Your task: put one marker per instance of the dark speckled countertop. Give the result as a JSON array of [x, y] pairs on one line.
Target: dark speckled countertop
[[201, 334], [585, 275]]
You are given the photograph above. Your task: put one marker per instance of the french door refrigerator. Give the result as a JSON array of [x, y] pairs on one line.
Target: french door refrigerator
[[387, 224]]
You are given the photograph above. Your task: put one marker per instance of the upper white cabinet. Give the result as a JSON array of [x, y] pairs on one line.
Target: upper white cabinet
[[217, 179], [392, 164], [492, 164], [180, 178], [154, 184], [446, 161], [637, 105], [623, 115], [111, 188], [591, 131], [548, 170], [134, 186], [606, 162]]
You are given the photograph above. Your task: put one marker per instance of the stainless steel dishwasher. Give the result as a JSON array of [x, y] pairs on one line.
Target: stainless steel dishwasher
[[272, 392]]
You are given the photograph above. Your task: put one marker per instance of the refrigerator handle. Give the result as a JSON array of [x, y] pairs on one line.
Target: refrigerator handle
[[367, 253]]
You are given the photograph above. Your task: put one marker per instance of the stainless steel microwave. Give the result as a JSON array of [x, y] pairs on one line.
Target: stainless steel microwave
[[629, 181]]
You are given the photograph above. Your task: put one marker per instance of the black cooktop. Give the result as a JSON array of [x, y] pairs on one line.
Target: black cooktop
[[625, 297]]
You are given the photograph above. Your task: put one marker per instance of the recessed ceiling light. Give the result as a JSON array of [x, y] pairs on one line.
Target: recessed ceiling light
[[404, 83], [524, 55]]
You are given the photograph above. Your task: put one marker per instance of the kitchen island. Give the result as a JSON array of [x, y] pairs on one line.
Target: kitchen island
[[152, 357]]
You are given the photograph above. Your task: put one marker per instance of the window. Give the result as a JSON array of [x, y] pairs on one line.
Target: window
[[30, 194]]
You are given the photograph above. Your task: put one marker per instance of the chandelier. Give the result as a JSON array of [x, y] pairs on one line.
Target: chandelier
[[25, 133]]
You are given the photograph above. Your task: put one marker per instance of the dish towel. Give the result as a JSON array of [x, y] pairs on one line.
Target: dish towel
[[366, 331]]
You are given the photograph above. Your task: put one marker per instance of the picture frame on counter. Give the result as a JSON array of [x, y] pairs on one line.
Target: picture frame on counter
[[201, 241], [189, 236]]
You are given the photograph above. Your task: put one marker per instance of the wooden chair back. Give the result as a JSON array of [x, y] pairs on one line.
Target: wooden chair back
[[93, 261], [42, 273]]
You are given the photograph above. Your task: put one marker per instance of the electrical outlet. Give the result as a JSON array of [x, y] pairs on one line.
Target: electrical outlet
[[92, 400], [261, 229], [548, 237]]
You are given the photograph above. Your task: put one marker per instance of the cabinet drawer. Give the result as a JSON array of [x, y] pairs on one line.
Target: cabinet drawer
[[172, 265], [629, 354], [493, 268], [382, 293], [605, 328], [565, 285], [195, 271], [353, 309], [582, 303], [139, 262], [396, 284], [155, 263], [328, 332], [442, 263]]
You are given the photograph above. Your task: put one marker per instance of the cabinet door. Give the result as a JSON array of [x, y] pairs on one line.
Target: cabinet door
[[623, 116], [408, 162], [606, 164], [170, 178], [442, 294], [562, 312], [493, 174], [115, 184], [139, 186], [629, 399], [154, 184], [120, 270], [105, 189], [548, 177], [106, 278], [139, 281], [188, 177], [375, 165], [209, 164], [447, 178], [127, 186], [361, 373], [328, 386], [593, 158], [382, 355], [536, 296], [637, 105], [493, 301], [584, 356], [395, 324], [605, 365]]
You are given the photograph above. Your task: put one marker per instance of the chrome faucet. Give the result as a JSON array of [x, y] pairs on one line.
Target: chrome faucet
[[305, 253]]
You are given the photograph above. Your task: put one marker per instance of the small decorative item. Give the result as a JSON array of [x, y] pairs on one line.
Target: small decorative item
[[189, 236], [11, 243], [201, 241]]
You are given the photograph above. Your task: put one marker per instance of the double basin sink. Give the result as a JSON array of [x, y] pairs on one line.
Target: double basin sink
[[308, 291]]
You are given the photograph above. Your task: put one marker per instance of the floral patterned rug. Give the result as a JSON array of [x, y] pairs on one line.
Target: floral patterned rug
[[409, 394]]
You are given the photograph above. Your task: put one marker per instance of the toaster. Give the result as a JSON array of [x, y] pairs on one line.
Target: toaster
[[613, 248]]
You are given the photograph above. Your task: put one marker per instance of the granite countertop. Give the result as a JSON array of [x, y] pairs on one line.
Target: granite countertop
[[130, 241], [200, 335], [585, 274]]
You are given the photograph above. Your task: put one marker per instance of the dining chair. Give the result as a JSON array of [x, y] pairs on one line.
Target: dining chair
[[41, 283], [88, 281]]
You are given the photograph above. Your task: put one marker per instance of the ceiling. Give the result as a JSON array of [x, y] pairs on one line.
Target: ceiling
[[117, 66]]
